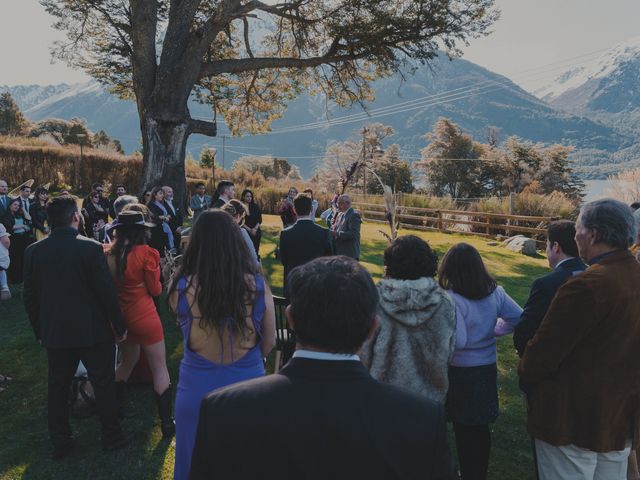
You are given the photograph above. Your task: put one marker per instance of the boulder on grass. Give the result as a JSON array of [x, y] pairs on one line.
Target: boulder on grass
[[521, 244]]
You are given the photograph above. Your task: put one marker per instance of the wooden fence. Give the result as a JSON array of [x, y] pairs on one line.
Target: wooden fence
[[460, 221]]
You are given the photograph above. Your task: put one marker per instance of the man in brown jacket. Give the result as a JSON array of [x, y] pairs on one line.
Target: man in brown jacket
[[583, 362]]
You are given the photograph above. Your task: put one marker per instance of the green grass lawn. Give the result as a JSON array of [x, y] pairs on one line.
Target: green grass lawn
[[25, 448]]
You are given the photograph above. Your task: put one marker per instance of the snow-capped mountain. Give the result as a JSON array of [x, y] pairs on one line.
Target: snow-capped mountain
[[470, 95], [606, 65], [28, 96], [606, 90]]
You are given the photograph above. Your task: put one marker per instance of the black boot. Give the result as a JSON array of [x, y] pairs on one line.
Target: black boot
[[124, 410], [167, 424]]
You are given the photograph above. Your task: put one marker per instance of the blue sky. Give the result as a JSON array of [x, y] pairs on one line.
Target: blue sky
[[530, 35]]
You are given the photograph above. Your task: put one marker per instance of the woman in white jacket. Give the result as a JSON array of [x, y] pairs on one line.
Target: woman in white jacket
[[417, 333]]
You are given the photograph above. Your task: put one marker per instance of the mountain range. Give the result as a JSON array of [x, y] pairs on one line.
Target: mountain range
[[591, 108], [606, 90]]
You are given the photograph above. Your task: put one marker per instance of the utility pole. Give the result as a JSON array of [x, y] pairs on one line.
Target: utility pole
[[213, 153], [224, 137], [80, 137], [365, 130]]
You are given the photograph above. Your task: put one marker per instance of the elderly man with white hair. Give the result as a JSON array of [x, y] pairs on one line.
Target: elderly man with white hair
[[346, 230], [175, 211], [583, 362]]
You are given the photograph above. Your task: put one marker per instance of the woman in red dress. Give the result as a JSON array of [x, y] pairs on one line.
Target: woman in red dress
[[135, 267]]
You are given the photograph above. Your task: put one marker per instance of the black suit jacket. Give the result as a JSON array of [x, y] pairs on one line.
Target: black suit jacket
[[3, 205], [68, 293], [219, 203], [542, 292], [301, 243], [319, 419], [177, 218]]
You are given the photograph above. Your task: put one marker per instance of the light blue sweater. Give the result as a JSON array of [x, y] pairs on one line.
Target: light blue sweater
[[477, 326]]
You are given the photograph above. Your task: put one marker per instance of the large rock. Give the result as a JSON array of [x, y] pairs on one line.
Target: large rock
[[521, 244]]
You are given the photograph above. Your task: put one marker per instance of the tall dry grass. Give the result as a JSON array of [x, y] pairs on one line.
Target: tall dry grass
[[22, 159]]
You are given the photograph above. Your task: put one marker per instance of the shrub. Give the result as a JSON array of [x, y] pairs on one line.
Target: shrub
[[45, 163]]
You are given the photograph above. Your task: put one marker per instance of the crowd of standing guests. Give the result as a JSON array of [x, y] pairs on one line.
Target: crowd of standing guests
[[377, 370]]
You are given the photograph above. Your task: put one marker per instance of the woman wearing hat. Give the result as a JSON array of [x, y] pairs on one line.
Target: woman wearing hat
[[135, 267]]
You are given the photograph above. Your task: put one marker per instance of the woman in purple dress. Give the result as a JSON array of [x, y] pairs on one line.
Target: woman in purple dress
[[225, 310]]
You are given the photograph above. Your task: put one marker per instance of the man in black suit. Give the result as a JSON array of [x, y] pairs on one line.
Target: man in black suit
[[4, 197], [175, 212], [224, 192], [322, 416], [120, 191], [72, 305], [562, 254], [304, 240]]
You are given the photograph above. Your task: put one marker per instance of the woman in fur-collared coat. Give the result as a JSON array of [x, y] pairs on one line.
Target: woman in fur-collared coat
[[417, 333]]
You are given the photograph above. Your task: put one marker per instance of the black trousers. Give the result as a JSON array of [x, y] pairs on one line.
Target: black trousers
[[19, 243], [99, 360], [473, 443]]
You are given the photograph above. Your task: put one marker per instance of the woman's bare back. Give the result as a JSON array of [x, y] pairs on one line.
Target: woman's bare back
[[218, 346]]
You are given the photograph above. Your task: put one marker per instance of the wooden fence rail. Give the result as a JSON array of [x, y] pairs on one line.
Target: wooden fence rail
[[485, 224]]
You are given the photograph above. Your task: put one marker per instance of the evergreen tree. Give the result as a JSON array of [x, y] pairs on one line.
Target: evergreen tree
[[207, 158], [451, 161], [12, 121], [393, 171]]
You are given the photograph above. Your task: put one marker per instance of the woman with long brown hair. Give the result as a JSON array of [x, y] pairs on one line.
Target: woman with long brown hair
[[38, 213], [135, 268], [226, 313], [237, 210], [472, 399]]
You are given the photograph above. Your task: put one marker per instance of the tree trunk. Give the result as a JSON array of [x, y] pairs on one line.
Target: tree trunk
[[164, 145]]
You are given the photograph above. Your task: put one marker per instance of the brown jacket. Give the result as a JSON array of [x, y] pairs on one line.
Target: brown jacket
[[584, 361]]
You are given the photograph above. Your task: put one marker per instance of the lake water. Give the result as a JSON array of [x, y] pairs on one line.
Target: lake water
[[595, 189]]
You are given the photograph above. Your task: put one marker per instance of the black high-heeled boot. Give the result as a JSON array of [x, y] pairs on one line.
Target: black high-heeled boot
[[167, 424]]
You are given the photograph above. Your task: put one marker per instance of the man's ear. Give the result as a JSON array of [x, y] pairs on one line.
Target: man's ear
[[289, 316]]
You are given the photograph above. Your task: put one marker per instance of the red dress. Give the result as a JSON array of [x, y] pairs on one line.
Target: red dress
[[141, 282]]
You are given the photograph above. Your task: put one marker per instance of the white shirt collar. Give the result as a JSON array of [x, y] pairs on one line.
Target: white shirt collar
[[325, 355], [309, 218], [562, 261]]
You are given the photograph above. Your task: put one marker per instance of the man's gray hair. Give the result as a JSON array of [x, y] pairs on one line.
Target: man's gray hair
[[613, 221], [123, 200]]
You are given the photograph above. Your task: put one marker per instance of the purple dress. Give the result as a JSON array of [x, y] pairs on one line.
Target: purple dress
[[199, 376]]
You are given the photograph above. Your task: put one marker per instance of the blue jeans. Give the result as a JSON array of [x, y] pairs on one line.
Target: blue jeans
[[3, 280]]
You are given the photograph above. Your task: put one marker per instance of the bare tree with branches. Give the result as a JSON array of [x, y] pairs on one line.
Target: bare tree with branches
[[161, 52]]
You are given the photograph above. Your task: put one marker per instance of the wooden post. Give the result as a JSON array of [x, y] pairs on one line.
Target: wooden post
[[76, 172], [512, 209], [439, 223]]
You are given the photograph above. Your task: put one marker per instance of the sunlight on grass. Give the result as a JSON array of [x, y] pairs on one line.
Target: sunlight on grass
[[24, 447]]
